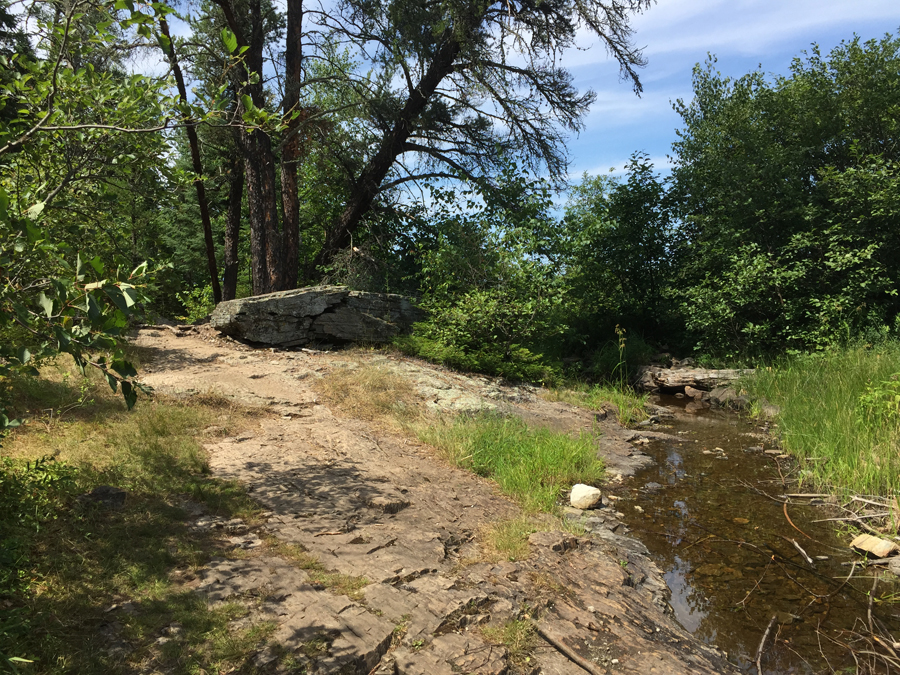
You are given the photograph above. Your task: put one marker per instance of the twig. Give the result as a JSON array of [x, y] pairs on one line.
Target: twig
[[868, 501], [806, 495], [866, 563], [571, 654], [802, 552], [762, 644], [760, 492], [864, 515], [707, 538], [758, 582], [777, 466], [872, 602], [792, 523]]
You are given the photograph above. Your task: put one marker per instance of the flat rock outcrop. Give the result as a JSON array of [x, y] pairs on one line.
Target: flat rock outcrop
[[371, 557], [332, 314]]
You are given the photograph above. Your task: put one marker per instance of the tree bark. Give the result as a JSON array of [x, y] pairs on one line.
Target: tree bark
[[290, 151], [197, 163], [233, 229], [266, 240], [392, 146]]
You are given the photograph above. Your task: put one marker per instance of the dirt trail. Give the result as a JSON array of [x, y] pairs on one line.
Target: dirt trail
[[370, 504]]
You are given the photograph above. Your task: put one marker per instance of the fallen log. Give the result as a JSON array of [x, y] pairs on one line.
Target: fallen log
[[653, 378]]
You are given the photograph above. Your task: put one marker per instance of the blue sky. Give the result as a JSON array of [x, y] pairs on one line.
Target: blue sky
[[676, 34]]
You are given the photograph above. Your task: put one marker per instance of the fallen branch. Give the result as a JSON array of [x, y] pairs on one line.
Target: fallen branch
[[762, 644], [792, 523], [568, 652], [867, 563], [883, 504], [806, 495], [864, 515]]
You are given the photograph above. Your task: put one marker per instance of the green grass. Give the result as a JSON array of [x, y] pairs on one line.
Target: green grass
[[629, 405], [519, 637], [336, 582], [839, 415], [508, 539], [534, 466], [64, 563]]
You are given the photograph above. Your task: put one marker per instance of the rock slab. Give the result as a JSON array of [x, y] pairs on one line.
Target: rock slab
[[333, 314]]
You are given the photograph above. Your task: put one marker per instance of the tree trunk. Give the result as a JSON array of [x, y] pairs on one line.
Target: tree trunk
[[233, 229], [290, 151], [266, 240], [392, 146], [194, 142]]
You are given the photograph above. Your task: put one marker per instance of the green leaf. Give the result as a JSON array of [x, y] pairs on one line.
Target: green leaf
[[113, 382], [115, 294], [130, 295], [247, 102], [46, 303], [24, 355], [123, 368], [4, 206], [130, 394], [164, 43], [230, 41], [97, 264], [35, 211], [92, 308]]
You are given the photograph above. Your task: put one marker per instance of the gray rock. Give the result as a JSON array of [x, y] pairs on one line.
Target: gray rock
[[584, 496], [727, 397], [317, 314]]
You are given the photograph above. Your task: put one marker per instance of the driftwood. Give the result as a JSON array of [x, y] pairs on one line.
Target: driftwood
[[655, 377]]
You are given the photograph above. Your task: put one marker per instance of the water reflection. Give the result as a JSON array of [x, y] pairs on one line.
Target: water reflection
[[690, 610], [727, 554]]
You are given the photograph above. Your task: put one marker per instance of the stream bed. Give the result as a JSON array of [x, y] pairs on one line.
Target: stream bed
[[728, 554]]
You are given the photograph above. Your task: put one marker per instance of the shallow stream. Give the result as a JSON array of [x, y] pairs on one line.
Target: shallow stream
[[728, 554]]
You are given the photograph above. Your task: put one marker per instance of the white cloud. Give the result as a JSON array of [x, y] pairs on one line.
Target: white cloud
[[679, 33]]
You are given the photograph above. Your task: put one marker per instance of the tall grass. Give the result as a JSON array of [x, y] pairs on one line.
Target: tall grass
[[839, 415], [533, 466]]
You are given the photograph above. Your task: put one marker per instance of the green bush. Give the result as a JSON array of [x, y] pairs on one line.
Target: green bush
[[32, 494], [198, 303]]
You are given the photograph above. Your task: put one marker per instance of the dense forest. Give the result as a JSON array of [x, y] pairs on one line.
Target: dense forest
[[421, 148]]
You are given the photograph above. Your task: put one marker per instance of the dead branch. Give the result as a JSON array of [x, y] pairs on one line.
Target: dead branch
[[568, 652], [762, 644]]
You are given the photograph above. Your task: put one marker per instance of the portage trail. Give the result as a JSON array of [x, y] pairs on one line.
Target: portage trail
[[370, 504]]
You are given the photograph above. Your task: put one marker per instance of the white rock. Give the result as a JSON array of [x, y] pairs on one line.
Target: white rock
[[584, 496]]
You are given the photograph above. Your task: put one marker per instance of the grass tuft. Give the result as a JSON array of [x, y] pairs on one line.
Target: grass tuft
[[534, 466], [336, 582], [836, 416], [371, 393], [628, 405], [518, 636], [508, 539]]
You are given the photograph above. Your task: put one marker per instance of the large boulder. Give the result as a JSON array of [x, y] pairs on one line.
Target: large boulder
[[333, 314]]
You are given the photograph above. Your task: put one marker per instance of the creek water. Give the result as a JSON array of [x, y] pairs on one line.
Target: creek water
[[728, 554]]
